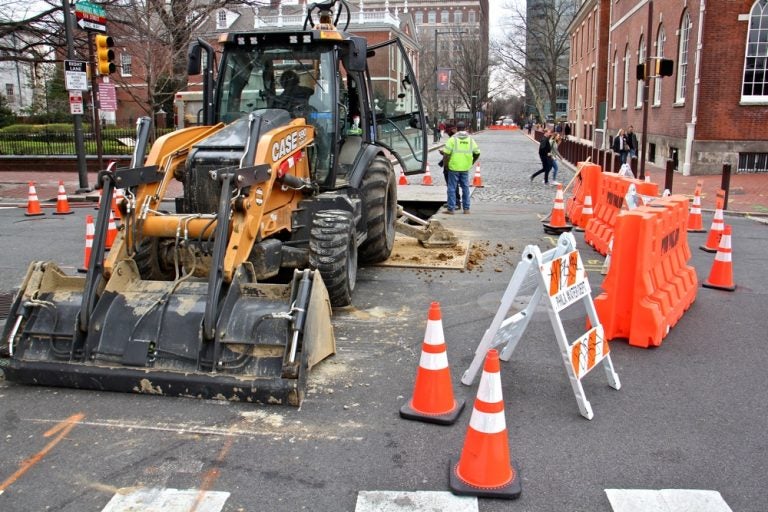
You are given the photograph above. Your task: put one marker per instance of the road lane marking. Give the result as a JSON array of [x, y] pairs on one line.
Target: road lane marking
[[418, 501], [167, 500], [666, 500], [60, 430]]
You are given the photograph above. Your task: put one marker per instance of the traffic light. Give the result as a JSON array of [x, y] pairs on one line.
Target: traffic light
[[665, 67], [105, 55], [641, 71]]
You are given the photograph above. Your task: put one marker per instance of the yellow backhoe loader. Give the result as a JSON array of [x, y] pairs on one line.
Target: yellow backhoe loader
[[226, 292]]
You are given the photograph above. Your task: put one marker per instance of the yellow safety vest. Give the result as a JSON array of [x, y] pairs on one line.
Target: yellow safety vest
[[461, 151]]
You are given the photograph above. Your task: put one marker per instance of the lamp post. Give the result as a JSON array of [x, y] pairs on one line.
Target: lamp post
[[437, 33]]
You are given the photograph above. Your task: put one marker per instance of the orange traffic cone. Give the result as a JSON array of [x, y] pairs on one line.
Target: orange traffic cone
[[485, 468], [433, 400], [721, 274], [427, 177], [647, 177], [111, 231], [117, 199], [557, 224], [695, 222], [715, 230], [586, 213], [33, 203], [403, 179], [62, 203], [90, 231], [477, 181]]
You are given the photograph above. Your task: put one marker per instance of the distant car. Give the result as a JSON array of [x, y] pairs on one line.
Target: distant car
[[507, 122]]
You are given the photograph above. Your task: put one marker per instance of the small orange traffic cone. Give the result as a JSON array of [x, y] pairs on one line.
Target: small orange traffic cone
[[62, 203], [557, 224], [721, 274], [477, 181], [586, 213], [647, 177], [485, 468], [117, 198], [715, 230], [111, 231], [403, 179], [433, 400], [695, 221], [427, 177], [90, 231], [33, 203]]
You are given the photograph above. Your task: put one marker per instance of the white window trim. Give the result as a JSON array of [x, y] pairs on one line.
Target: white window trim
[[751, 99], [625, 95], [682, 67], [126, 58]]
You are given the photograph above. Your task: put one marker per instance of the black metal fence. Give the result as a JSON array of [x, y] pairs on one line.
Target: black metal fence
[[115, 141]]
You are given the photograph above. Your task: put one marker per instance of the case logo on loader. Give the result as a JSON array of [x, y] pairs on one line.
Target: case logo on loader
[[288, 144]]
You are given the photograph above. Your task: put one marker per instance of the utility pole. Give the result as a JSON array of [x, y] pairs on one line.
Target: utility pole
[[82, 171], [646, 90]]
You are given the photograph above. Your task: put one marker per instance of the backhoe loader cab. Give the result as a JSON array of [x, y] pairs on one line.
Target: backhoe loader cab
[[290, 172]]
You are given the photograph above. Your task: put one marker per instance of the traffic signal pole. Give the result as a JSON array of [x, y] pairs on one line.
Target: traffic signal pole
[[82, 170], [96, 104], [646, 90]]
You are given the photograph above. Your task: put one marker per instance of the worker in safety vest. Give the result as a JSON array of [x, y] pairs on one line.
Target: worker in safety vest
[[459, 153]]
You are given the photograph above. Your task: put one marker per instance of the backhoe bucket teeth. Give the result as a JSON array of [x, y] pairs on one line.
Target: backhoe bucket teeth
[[147, 336]]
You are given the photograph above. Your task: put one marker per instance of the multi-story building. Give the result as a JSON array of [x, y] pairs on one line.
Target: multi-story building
[[17, 80], [712, 109]]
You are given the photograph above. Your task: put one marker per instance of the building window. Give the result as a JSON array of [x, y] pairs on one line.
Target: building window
[[432, 17], [755, 84], [625, 93], [221, 19], [445, 17], [457, 17], [125, 64], [753, 162], [661, 38], [682, 58], [615, 79], [419, 18], [640, 83], [471, 16], [9, 92]]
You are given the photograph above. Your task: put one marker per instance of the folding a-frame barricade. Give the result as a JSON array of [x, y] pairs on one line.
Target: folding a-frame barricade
[[559, 274]]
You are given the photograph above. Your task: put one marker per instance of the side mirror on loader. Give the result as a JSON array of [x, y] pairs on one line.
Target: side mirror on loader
[[195, 59]]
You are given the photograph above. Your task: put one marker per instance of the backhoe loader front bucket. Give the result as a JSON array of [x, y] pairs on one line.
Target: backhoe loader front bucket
[[148, 337]]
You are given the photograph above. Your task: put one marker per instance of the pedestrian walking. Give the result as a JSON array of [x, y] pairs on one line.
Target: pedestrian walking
[[459, 154], [545, 155], [632, 141], [556, 156], [620, 146], [567, 131]]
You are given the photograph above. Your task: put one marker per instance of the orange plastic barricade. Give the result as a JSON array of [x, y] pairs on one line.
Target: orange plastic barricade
[[650, 284], [586, 183], [609, 203]]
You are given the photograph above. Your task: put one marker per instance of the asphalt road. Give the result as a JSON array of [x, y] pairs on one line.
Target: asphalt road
[[690, 414]]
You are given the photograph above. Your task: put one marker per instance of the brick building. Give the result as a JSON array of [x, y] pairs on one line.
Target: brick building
[[710, 111]]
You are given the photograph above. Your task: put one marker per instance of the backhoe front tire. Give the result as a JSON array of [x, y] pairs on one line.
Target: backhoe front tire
[[379, 189], [150, 262], [333, 252]]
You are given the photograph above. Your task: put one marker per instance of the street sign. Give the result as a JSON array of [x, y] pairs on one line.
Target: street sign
[[76, 102], [107, 97], [90, 16], [75, 77]]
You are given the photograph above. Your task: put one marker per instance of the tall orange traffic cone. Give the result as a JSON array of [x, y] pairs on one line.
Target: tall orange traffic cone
[[477, 181], [33, 203], [485, 468], [117, 198], [111, 231], [647, 177], [427, 177], [403, 179], [90, 231], [721, 274], [433, 400], [557, 224], [62, 203], [715, 230], [695, 222], [586, 213]]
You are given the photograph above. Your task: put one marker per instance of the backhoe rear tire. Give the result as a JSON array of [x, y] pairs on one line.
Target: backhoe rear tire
[[379, 189], [333, 251]]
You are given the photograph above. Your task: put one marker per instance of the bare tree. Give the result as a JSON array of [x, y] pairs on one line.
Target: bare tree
[[536, 50]]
